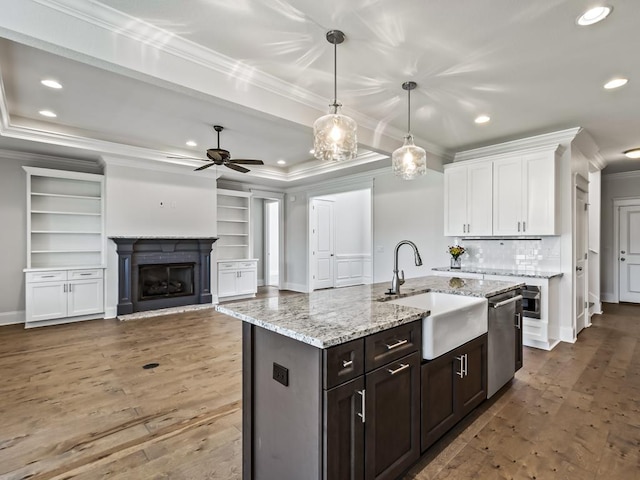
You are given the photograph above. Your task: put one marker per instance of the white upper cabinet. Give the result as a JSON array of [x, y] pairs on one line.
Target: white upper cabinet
[[468, 197], [525, 195]]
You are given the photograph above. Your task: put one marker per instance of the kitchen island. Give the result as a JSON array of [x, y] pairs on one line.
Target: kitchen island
[[332, 379]]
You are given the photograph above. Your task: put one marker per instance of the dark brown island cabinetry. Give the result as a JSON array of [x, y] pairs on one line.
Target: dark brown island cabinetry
[[452, 385], [347, 412]]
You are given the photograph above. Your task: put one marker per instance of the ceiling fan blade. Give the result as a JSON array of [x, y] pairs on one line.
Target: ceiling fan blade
[[246, 161], [237, 168], [204, 166], [213, 155]]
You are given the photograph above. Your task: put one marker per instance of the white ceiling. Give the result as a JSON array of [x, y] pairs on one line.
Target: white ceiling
[[140, 77]]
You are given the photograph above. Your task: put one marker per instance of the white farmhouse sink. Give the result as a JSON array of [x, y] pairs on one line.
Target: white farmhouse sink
[[454, 320]]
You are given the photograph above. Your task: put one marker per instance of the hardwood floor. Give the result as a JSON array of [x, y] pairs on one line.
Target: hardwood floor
[[76, 403]]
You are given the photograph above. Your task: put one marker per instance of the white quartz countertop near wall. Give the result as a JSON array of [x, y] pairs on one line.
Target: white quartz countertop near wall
[[325, 318], [500, 271]]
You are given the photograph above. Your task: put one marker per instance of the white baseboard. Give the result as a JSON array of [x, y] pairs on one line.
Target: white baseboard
[[296, 287], [608, 297], [12, 318], [568, 334], [111, 312], [261, 282]]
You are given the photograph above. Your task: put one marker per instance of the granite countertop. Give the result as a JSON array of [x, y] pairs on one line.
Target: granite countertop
[[325, 318], [500, 271]]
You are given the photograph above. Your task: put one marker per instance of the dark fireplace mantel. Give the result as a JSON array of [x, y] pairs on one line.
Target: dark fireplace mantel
[[134, 252]]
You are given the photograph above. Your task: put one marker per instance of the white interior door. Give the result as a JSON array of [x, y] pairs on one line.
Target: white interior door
[[629, 258], [581, 250], [322, 238]]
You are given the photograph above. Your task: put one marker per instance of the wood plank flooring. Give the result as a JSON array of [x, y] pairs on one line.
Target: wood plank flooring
[[75, 403]]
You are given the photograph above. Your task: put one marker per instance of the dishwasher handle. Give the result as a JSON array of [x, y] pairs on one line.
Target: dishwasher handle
[[506, 302]]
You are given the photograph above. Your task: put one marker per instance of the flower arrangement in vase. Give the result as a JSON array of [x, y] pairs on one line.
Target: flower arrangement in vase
[[456, 252]]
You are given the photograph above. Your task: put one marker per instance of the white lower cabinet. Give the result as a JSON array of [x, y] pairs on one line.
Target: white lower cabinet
[[62, 296], [238, 277]]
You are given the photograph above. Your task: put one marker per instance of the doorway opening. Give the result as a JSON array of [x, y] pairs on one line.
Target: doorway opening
[[267, 225], [340, 239], [271, 243]]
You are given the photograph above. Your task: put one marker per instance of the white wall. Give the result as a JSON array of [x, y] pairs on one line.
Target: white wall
[[13, 218], [408, 210], [146, 202], [614, 186], [412, 210]]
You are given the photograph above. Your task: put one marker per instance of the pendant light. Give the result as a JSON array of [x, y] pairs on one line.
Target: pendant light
[[409, 161], [334, 134]]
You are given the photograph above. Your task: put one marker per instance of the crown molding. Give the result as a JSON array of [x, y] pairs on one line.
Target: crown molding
[[545, 141], [70, 163], [146, 164]]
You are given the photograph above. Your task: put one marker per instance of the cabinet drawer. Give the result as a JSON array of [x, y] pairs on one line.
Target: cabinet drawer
[[228, 266], [343, 362], [390, 345], [245, 265], [46, 276], [85, 274]]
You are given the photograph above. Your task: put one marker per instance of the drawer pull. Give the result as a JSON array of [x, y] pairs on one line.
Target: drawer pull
[[403, 366], [346, 364], [85, 274], [396, 345], [48, 276]]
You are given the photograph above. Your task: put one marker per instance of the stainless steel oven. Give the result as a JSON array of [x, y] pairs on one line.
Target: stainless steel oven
[[531, 301]]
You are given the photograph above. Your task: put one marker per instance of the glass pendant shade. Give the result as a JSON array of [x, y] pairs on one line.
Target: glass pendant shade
[[409, 161], [334, 134], [334, 137]]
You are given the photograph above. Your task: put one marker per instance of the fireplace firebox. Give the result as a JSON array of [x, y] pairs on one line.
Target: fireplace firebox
[[156, 273]]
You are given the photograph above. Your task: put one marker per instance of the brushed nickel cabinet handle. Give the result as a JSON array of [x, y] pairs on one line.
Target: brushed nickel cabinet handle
[[363, 405], [461, 360], [346, 363], [403, 366], [395, 345]]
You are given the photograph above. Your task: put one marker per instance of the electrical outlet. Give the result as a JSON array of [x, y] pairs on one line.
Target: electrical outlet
[[281, 374]]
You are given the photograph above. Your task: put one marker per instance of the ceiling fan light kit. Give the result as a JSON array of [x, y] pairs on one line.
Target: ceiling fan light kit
[[409, 161], [334, 134]]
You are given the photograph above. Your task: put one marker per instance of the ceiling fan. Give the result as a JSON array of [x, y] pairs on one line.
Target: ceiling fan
[[220, 156]]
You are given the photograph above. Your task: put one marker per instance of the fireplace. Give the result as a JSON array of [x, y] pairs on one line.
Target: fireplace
[[156, 273], [165, 280]]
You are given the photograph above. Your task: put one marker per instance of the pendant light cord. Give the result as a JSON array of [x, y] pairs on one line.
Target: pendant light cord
[[335, 74], [409, 113]]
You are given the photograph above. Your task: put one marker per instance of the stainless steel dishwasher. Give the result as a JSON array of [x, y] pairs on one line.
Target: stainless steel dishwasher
[[505, 313]]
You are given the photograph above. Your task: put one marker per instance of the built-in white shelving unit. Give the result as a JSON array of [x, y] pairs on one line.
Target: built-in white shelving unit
[[65, 237], [237, 271]]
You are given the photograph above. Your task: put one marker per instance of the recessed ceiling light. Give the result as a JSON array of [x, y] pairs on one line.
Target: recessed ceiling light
[[633, 153], [594, 15], [482, 119], [615, 83], [48, 82], [191, 143], [281, 162], [47, 113]]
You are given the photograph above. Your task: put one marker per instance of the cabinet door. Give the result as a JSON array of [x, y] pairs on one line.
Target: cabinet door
[[247, 282], [85, 297], [439, 401], [392, 435], [227, 280], [539, 194], [472, 386], [455, 201], [480, 199], [507, 197], [46, 300], [344, 431]]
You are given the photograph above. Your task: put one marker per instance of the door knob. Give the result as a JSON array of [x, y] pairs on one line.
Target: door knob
[[578, 269], [622, 259], [623, 252]]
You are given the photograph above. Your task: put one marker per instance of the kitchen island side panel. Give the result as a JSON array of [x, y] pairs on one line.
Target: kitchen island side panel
[[286, 423]]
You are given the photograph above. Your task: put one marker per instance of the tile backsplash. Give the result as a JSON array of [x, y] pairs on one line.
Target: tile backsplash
[[528, 255]]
